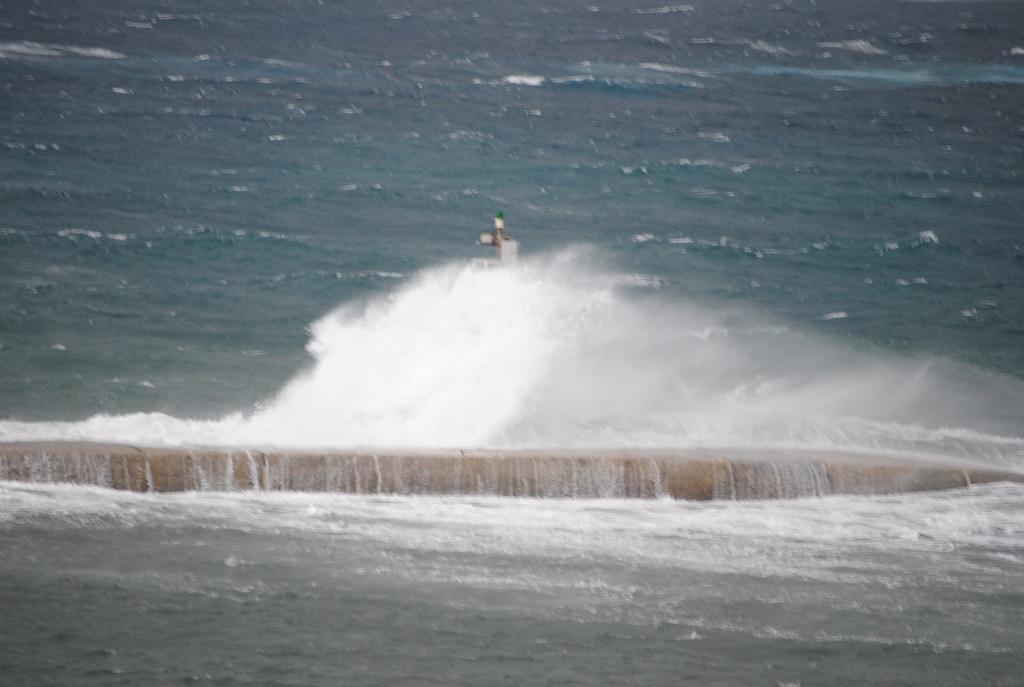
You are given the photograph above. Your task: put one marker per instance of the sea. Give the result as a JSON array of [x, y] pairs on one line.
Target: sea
[[788, 225]]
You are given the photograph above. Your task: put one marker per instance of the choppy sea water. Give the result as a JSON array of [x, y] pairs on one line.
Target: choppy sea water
[[187, 186], [790, 224], [113, 588]]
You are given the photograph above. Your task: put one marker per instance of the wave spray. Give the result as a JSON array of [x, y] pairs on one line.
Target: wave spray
[[557, 354]]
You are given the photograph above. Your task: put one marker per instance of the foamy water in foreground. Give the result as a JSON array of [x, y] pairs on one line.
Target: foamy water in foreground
[[558, 353], [330, 588]]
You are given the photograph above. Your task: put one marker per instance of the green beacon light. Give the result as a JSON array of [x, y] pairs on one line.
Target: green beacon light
[[507, 248]]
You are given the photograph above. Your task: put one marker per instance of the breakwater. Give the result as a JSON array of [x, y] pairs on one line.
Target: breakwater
[[518, 473]]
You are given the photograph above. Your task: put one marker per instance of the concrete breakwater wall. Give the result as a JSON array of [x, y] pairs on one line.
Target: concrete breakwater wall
[[525, 473]]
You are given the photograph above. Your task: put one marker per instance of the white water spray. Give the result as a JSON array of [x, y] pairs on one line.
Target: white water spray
[[555, 354]]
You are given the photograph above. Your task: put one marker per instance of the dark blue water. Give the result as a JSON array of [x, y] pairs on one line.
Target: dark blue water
[[186, 186]]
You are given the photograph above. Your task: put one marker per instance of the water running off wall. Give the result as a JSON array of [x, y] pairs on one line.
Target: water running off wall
[[563, 353], [596, 474]]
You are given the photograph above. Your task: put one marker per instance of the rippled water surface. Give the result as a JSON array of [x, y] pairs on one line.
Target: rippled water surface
[[103, 587], [186, 186]]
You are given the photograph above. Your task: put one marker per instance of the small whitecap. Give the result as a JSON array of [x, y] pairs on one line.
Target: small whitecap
[[714, 136], [524, 80], [73, 233], [575, 78], [239, 189], [58, 347], [681, 240], [275, 137], [902, 282], [147, 384], [643, 238], [919, 280], [740, 169], [862, 46], [348, 187], [122, 91], [672, 69], [28, 49], [837, 315], [99, 53], [766, 47], [466, 134], [927, 237], [892, 245], [1016, 51], [664, 9]]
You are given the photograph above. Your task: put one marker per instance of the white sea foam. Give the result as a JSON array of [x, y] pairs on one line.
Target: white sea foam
[[33, 49], [665, 9], [766, 47], [557, 354], [574, 78], [100, 53], [861, 46], [715, 136], [524, 80], [87, 233], [672, 69], [863, 565]]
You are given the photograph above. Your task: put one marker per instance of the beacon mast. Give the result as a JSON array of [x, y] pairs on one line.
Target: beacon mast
[[507, 247]]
